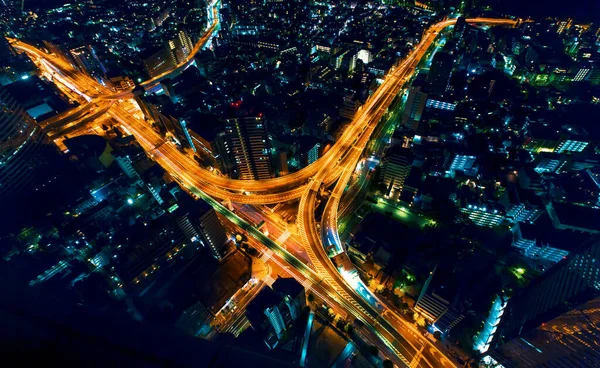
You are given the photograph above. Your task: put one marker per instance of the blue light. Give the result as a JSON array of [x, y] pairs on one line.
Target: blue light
[[23, 77]]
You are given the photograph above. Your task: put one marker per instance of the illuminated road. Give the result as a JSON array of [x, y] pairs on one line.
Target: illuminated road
[[262, 191], [306, 184], [150, 83], [412, 349]]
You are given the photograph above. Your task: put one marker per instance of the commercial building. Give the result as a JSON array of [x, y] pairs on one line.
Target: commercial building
[[143, 246], [396, 167], [436, 303], [20, 144], [181, 46], [460, 27], [531, 247], [415, 104], [440, 105], [159, 60], [486, 215], [440, 71], [87, 61], [273, 311], [555, 321], [200, 223], [463, 163], [247, 141], [349, 107]]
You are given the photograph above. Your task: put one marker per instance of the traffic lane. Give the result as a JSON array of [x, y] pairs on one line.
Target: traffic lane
[[274, 232]]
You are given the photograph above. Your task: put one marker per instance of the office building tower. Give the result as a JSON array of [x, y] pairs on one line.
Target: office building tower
[[581, 73], [181, 46], [281, 162], [413, 109], [247, 142], [307, 152], [396, 167], [349, 107], [126, 164], [293, 294], [200, 223], [212, 230], [313, 154], [436, 301], [555, 321], [87, 61], [145, 245], [563, 25], [159, 60], [273, 311], [570, 145], [7, 53], [439, 72], [465, 164], [440, 105], [20, 144], [460, 27]]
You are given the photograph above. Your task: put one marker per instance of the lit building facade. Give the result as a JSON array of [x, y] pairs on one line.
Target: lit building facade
[[20, 144], [440, 71], [273, 311], [201, 224], [415, 104], [465, 164], [569, 145], [247, 141], [87, 60], [482, 215], [396, 167], [440, 105], [556, 319], [160, 61]]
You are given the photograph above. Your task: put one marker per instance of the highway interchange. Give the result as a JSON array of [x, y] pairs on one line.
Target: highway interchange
[[401, 341]]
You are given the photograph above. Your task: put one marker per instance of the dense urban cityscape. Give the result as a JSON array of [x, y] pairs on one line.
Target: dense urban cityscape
[[215, 183]]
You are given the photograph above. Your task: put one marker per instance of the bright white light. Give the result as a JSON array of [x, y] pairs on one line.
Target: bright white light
[[365, 56]]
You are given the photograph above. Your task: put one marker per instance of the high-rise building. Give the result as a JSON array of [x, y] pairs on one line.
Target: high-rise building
[[465, 164], [415, 104], [272, 311], [281, 162], [349, 107], [86, 59], [159, 61], [313, 153], [396, 167], [20, 144], [181, 46], [436, 301], [7, 53], [581, 73], [440, 71], [460, 27], [200, 223], [555, 321], [143, 246], [563, 25], [13, 67], [247, 142]]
